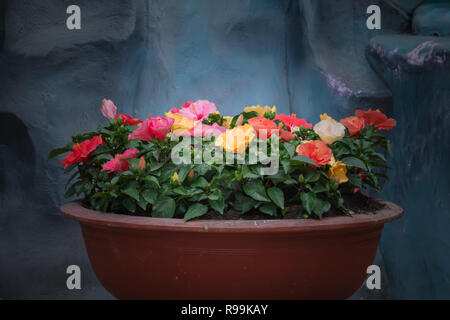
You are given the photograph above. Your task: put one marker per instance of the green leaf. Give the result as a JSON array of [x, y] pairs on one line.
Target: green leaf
[[115, 180], [320, 187], [150, 195], [247, 173], [269, 209], [143, 204], [129, 204], [355, 180], [215, 195], [243, 203], [151, 179], [164, 207], [218, 205], [132, 192], [312, 204], [256, 190], [302, 160], [200, 182], [57, 152], [290, 148], [354, 162], [311, 175], [277, 196], [286, 164], [196, 210]]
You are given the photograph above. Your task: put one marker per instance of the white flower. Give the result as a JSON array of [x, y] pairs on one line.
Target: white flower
[[329, 131]]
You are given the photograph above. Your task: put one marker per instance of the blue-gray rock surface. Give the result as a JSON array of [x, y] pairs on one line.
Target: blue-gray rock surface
[[432, 20], [416, 69]]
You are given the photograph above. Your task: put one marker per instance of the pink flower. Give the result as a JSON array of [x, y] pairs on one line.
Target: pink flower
[[204, 130], [160, 126], [198, 110], [108, 109], [157, 127], [119, 163]]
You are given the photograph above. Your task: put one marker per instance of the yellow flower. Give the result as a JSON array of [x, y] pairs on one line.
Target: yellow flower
[[338, 171], [332, 160], [236, 140], [175, 179], [260, 110], [181, 123], [329, 131], [324, 116], [227, 122]]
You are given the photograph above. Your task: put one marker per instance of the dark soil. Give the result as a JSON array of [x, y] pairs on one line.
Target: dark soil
[[356, 203]]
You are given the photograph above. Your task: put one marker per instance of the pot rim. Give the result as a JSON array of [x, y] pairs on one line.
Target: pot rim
[[74, 210]]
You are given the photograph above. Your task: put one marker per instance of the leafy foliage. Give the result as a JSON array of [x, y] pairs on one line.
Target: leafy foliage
[[162, 189]]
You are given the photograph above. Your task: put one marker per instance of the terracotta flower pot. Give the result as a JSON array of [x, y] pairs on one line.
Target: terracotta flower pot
[[158, 258]]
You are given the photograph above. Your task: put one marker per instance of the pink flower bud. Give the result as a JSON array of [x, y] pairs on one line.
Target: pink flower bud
[[142, 163], [108, 109]]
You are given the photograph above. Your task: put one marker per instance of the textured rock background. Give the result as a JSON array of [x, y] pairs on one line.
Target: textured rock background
[[305, 56]]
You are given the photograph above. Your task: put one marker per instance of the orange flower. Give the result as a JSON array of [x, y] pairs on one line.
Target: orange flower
[[353, 124], [263, 127], [376, 118], [316, 150]]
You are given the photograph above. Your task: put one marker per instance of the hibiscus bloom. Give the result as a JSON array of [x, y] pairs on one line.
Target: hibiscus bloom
[[82, 150], [204, 130], [237, 139], [181, 123], [353, 124], [376, 118], [126, 119], [157, 127], [316, 150], [264, 127], [119, 163], [291, 121], [337, 171], [198, 110], [329, 131]]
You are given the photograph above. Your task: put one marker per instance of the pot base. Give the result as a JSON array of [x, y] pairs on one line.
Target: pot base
[[157, 258]]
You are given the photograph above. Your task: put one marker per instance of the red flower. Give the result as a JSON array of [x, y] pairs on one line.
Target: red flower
[[126, 119], [82, 150], [376, 118], [316, 150], [119, 163], [353, 124], [264, 127], [286, 135], [292, 121]]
